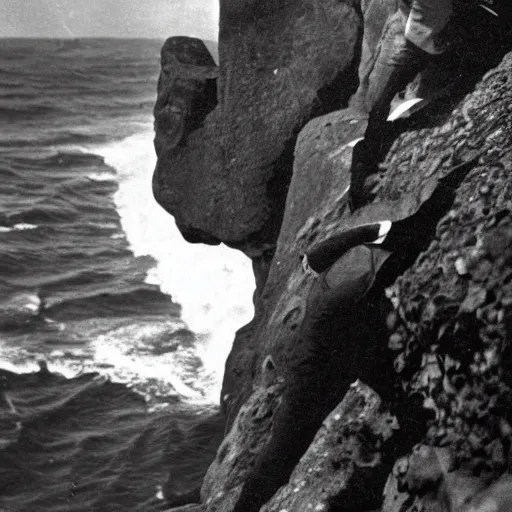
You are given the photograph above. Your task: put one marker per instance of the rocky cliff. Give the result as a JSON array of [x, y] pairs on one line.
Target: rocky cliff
[[404, 403]]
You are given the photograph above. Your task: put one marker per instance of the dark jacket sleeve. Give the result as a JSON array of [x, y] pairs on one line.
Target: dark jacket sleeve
[[325, 254]]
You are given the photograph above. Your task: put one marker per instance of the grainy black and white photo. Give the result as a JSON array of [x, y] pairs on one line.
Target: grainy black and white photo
[[255, 256]]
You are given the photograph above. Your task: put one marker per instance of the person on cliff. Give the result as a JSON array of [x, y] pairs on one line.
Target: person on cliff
[[478, 32], [340, 338], [343, 330], [398, 64], [425, 39]]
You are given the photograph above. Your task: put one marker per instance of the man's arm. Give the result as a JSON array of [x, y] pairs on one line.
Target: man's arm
[[325, 254]]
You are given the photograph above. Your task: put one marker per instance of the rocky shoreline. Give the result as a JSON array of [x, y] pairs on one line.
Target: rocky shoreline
[[406, 404]]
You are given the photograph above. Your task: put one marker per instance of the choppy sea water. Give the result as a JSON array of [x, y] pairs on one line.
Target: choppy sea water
[[96, 280]]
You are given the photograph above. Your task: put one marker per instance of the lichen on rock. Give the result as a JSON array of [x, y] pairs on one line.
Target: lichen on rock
[[344, 461], [452, 303]]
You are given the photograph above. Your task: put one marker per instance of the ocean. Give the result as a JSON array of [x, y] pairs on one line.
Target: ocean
[[113, 330]]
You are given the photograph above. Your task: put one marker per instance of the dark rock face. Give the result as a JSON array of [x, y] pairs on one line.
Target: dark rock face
[[186, 90], [317, 370], [235, 457], [192, 451], [281, 63], [344, 461], [432, 335], [454, 331], [382, 22], [318, 184], [282, 304]]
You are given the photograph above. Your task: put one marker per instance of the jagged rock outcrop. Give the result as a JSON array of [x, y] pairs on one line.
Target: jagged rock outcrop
[[432, 337], [344, 462], [452, 344], [187, 91], [281, 63], [235, 457]]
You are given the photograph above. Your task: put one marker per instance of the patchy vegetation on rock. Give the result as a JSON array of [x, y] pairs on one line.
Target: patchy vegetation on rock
[[454, 300], [453, 304]]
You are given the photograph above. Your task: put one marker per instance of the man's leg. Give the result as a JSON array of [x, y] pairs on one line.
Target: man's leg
[[399, 68], [395, 68]]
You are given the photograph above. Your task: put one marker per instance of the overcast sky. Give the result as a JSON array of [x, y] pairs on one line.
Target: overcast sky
[[109, 18]]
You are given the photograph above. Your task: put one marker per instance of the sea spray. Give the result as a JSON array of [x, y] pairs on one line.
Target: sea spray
[[214, 285], [79, 297]]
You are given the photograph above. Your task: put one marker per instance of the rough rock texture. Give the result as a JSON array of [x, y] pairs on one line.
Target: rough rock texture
[[432, 335], [281, 63], [433, 483], [186, 90], [344, 462], [382, 22], [222, 483], [452, 344]]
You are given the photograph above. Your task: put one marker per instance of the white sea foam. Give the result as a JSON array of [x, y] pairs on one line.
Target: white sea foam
[[214, 285], [24, 364], [129, 347], [23, 303], [6, 363], [103, 225], [24, 227], [102, 176], [17, 227]]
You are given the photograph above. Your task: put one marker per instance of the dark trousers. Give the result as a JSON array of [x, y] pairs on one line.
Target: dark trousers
[[479, 44], [395, 68]]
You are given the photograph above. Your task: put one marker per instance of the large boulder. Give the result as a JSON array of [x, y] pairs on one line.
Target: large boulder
[[281, 63]]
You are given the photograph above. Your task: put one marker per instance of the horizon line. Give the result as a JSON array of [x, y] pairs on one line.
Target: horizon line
[[147, 38]]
